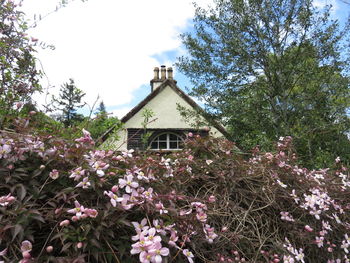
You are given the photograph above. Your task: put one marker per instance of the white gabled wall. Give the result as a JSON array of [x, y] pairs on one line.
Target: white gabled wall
[[164, 107]]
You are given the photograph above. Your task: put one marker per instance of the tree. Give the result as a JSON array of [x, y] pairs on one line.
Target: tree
[[68, 102], [19, 78], [101, 110], [270, 69]]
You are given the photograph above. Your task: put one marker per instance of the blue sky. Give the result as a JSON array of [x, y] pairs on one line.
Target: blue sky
[[111, 47]]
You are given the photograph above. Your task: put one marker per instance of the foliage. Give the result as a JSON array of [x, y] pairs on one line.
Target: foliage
[[273, 68], [68, 102], [65, 201], [18, 74], [147, 114], [99, 125]]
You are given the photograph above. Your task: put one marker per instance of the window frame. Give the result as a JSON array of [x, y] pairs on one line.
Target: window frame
[[179, 139]]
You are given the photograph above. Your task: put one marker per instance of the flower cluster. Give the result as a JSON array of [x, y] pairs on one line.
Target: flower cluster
[[81, 212]]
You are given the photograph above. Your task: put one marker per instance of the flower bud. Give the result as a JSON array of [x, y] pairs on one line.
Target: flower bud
[[65, 223], [308, 228], [26, 255], [49, 249], [80, 245], [114, 188], [211, 199]]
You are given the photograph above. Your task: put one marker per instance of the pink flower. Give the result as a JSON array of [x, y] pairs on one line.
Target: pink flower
[[5, 150], [91, 212], [99, 166], [77, 173], [86, 138], [161, 208], [128, 183], [114, 198], [173, 238], [78, 210], [54, 174], [26, 246], [139, 227], [152, 235], [158, 251], [7, 199], [84, 184], [188, 254], [140, 246], [128, 153], [49, 249], [201, 216]]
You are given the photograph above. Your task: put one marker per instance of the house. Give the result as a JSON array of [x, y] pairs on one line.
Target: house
[[166, 128]]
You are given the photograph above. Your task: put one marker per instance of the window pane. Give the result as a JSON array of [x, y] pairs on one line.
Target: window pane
[[154, 145], [173, 145], [162, 145], [162, 137], [173, 137]]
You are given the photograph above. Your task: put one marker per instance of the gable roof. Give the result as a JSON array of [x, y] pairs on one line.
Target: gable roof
[[172, 84]]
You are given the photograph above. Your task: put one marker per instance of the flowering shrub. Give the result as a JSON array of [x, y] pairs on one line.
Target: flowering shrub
[[66, 201]]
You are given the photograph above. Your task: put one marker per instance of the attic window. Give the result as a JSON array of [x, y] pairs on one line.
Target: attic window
[[166, 141]]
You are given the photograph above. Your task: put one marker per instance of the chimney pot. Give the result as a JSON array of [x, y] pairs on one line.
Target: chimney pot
[[163, 72], [156, 73], [170, 73]]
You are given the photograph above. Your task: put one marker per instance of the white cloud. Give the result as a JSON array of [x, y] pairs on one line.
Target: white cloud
[[107, 46]]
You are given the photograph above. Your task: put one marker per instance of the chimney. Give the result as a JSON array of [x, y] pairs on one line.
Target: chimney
[[170, 73], [164, 73]]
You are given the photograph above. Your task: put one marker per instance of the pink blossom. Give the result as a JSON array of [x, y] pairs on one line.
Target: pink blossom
[[26, 246], [201, 216], [145, 257], [140, 246], [86, 138], [54, 174], [158, 224], [158, 251], [161, 208], [77, 173], [5, 150], [173, 238], [286, 216], [113, 198], [128, 153], [84, 184], [188, 254], [99, 166], [128, 183], [7, 199], [91, 212], [139, 227], [78, 210], [49, 249]]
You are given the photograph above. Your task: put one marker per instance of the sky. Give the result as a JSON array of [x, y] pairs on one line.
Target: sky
[[110, 47]]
